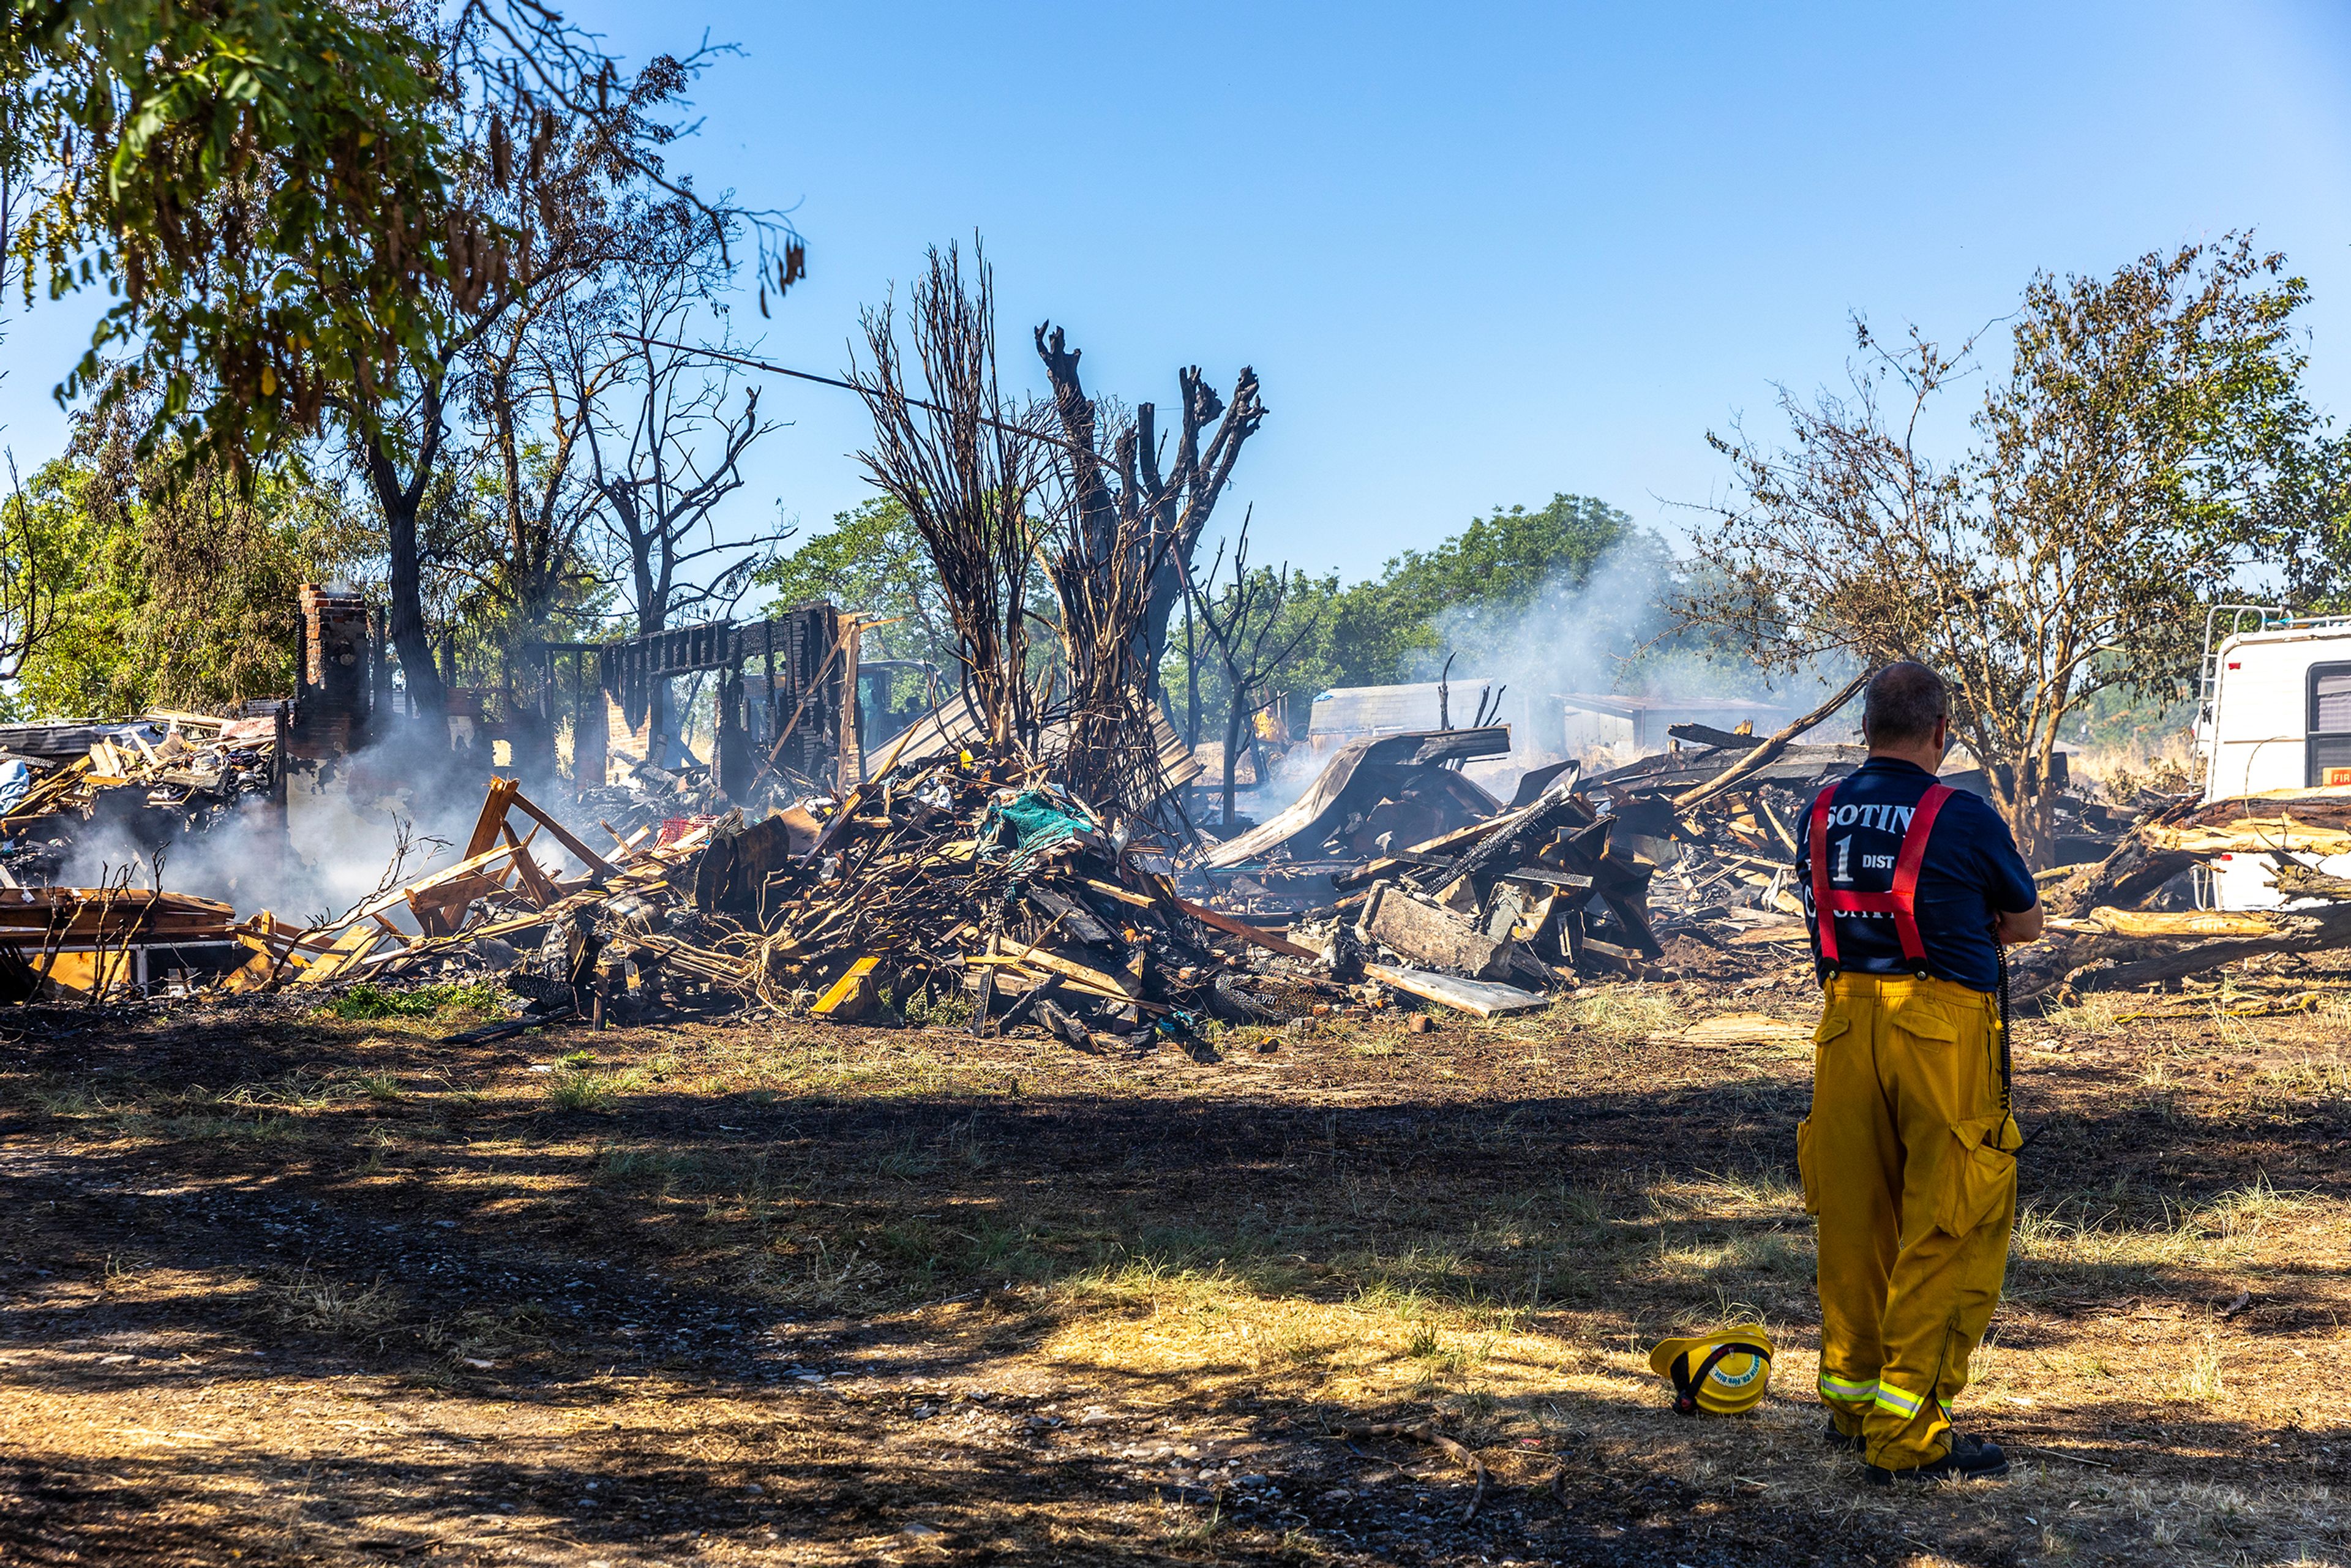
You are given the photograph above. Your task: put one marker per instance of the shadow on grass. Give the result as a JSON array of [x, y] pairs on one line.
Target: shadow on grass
[[734, 1247]]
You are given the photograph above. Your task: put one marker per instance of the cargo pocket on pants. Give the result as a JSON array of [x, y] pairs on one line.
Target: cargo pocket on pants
[[1981, 1172], [1805, 1158], [1834, 1021]]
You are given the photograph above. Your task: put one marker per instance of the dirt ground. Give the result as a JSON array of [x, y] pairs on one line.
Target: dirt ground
[[281, 1288]]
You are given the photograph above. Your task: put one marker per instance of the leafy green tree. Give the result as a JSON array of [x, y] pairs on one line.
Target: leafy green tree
[[2149, 444], [288, 199], [172, 585], [872, 560], [1486, 578], [1513, 578], [239, 175]]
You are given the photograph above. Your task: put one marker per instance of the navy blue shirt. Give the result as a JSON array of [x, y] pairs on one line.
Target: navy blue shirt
[[1971, 874]]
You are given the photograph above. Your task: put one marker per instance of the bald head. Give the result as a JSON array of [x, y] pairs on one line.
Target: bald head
[[1901, 706]]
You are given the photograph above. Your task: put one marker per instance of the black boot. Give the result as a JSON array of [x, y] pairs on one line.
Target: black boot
[[1836, 1439], [1967, 1459]]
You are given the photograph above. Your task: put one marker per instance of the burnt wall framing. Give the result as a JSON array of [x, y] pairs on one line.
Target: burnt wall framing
[[801, 720]]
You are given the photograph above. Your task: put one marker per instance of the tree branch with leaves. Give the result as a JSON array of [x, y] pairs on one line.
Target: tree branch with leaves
[[2149, 444]]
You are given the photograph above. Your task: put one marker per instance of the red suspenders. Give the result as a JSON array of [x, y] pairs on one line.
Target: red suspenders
[[1900, 902]]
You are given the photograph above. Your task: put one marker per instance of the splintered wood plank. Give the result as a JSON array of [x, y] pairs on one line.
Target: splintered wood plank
[[1039, 958], [502, 793], [349, 947], [561, 834], [542, 891], [1245, 931], [852, 994], [1006, 967], [1112, 890], [1482, 999]]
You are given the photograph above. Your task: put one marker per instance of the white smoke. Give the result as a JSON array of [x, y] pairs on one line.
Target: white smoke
[[1609, 632], [1604, 631], [343, 829]]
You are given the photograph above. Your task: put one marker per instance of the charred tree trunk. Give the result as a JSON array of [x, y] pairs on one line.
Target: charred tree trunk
[[1173, 504], [1236, 715], [400, 499], [1191, 682]]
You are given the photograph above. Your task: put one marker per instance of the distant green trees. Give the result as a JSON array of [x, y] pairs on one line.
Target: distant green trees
[[1572, 595], [1491, 596], [872, 560], [159, 583]]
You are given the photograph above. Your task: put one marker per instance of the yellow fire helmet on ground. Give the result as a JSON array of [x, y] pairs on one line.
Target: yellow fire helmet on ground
[[1722, 1373]]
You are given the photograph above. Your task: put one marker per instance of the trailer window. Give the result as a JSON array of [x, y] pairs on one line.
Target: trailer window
[[2329, 747]]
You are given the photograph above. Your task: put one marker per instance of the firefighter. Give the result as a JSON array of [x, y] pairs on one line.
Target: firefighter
[[1908, 1156]]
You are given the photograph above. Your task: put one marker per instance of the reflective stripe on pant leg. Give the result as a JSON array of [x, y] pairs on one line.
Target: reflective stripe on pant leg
[[1906, 1408], [1845, 1391]]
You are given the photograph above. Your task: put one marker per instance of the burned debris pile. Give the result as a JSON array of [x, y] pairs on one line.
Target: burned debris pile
[[2118, 922], [953, 888], [1002, 891], [980, 890], [1530, 896], [498, 907], [154, 777]]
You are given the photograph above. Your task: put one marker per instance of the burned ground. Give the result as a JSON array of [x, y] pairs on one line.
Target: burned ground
[[285, 1288]]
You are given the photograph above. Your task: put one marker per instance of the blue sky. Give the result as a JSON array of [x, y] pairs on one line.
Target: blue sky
[[1478, 253]]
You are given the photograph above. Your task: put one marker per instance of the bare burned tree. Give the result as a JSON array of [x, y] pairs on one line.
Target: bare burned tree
[[1244, 624], [667, 440], [555, 198], [535, 385], [662, 478], [1124, 491], [964, 464]]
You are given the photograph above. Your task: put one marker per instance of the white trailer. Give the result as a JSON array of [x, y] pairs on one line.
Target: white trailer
[[2274, 716]]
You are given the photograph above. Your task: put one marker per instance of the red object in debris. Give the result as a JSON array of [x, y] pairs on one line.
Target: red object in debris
[[676, 828]]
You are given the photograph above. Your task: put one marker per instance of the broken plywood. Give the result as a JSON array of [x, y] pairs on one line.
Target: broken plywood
[[1482, 999]]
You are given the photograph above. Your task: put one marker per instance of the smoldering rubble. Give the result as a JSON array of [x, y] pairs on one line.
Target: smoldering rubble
[[932, 879]]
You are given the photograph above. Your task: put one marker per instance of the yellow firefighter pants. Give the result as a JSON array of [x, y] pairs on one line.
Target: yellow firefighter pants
[[1910, 1164]]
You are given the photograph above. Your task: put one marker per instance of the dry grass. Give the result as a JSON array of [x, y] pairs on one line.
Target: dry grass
[[1624, 1014], [308, 1300], [2089, 1013], [1429, 1229]]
